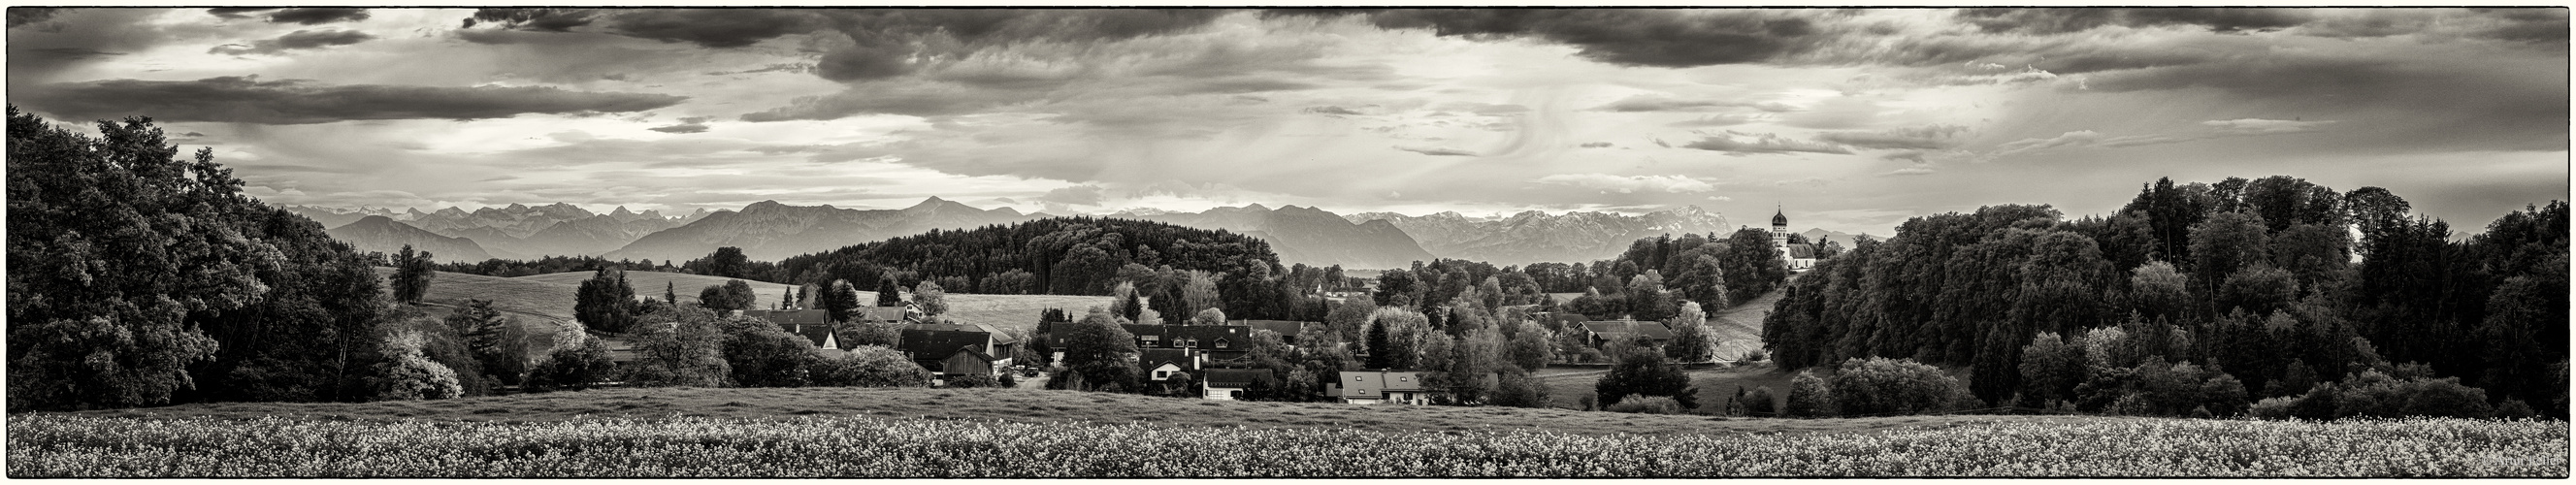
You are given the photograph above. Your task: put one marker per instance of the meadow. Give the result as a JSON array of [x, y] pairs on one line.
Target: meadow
[[53, 445]]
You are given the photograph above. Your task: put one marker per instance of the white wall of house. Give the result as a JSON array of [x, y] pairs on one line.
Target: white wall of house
[[1219, 393], [1164, 372]]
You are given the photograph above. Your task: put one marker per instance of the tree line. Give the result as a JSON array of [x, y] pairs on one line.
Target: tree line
[[2277, 285]]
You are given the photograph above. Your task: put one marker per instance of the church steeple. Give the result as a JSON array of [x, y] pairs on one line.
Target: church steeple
[[1780, 218]]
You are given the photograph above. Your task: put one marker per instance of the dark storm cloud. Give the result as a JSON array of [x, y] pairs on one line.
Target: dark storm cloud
[[2539, 25], [1919, 138], [2065, 20], [536, 19], [28, 15], [1766, 143], [73, 52], [889, 41], [249, 100], [301, 39], [1632, 37], [236, 12], [317, 16], [715, 28]]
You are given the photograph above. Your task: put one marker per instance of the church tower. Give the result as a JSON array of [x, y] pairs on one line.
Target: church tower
[[1780, 233]]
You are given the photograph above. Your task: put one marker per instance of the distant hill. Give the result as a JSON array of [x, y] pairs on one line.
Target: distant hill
[[336, 217], [1535, 236], [1305, 235], [770, 231], [559, 229], [380, 233]]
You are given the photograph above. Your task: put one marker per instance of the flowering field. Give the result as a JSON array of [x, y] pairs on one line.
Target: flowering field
[[60, 446]]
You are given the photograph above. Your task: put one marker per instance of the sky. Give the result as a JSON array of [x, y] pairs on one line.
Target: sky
[[1849, 120]]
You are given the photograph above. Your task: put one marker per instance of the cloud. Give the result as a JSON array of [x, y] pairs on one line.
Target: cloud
[[1662, 38], [246, 99], [1629, 184], [2067, 20], [1926, 137], [2071, 138], [2258, 126], [1652, 103], [29, 15], [1439, 151], [301, 39], [681, 128], [1597, 144], [714, 28], [316, 16], [1076, 195], [1766, 143], [1715, 120], [1918, 170], [1335, 110]]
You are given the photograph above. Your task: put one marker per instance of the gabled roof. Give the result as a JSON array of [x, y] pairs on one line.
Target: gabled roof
[[1236, 378], [1149, 359], [1653, 330], [999, 336], [1285, 328], [877, 314], [938, 344], [1560, 319], [1206, 335], [1375, 384], [791, 317], [819, 334]]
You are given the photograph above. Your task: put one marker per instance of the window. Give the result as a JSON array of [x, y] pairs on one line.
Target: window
[[1162, 374], [1220, 343]]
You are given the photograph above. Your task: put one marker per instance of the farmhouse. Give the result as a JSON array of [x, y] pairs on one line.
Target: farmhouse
[[1286, 329], [939, 347], [1162, 364], [815, 325], [1372, 387], [1603, 332]]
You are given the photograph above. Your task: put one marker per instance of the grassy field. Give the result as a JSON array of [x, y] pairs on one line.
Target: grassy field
[[1566, 389], [1022, 406], [1031, 433], [651, 283]]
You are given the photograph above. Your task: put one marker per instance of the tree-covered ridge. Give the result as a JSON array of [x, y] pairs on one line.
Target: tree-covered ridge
[[137, 277], [1064, 256], [2260, 279]]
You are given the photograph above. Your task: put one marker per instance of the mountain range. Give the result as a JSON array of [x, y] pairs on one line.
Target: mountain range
[[1534, 236], [771, 231]]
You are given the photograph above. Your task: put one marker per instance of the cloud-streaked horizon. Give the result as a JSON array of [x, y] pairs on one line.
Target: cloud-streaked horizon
[[1858, 117]]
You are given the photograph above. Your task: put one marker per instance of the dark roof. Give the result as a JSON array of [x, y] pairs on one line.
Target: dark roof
[[939, 344], [1237, 336], [1148, 359], [877, 314], [817, 333], [1234, 377], [1779, 218], [1560, 319], [791, 317], [1653, 330], [999, 336]]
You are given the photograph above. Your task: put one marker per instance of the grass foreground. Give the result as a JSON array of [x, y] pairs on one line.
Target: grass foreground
[[1031, 433]]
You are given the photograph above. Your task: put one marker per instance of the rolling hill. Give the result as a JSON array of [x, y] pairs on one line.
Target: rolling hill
[[770, 231], [380, 233], [649, 284]]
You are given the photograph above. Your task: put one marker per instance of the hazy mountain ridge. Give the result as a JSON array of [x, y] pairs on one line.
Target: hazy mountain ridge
[[1306, 235], [1535, 236], [770, 231], [381, 233]]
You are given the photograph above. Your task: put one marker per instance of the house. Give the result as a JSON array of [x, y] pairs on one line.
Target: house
[[1286, 329], [815, 325], [1560, 320], [1229, 384], [936, 346], [1220, 342], [1372, 387], [967, 362], [1606, 331]]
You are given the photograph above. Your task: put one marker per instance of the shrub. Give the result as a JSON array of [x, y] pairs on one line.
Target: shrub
[[2273, 408], [1647, 405], [1008, 381], [1892, 386], [2373, 394], [576, 362], [1642, 371], [1589, 402], [1755, 355], [870, 366], [2515, 409], [1808, 397], [971, 381], [1760, 402], [409, 375], [2317, 404], [1519, 389]]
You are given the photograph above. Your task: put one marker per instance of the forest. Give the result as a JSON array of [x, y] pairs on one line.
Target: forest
[[2258, 282]]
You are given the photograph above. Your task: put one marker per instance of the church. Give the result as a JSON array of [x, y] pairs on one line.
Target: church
[[1801, 256]]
